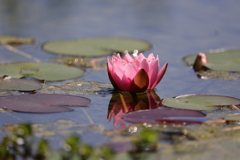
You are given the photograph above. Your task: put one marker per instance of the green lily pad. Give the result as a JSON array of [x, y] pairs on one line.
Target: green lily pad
[[95, 46], [235, 117], [200, 102], [41, 71], [16, 84], [13, 40], [4, 93], [228, 60]]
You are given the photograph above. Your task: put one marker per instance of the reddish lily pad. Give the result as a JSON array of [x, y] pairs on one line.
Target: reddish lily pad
[[225, 60], [9, 83], [41, 71], [4, 93], [13, 40], [42, 103], [161, 115], [97, 46], [189, 120], [200, 102]]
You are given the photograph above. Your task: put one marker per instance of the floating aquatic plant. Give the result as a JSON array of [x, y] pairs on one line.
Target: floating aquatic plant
[[223, 60], [42, 71], [95, 46], [42, 103]]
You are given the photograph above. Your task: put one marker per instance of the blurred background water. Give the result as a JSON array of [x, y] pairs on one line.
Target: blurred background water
[[175, 29]]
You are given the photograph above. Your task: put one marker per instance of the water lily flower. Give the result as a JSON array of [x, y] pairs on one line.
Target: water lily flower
[[135, 74]]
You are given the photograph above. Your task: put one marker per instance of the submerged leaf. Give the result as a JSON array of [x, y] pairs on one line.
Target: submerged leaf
[[41, 71], [13, 40], [9, 83], [95, 46], [200, 102], [42, 103]]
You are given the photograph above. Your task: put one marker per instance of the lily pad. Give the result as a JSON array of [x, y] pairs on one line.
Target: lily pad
[[9, 83], [227, 60], [161, 114], [95, 46], [13, 40], [200, 102], [234, 117], [4, 93], [42, 103], [189, 120], [41, 71]]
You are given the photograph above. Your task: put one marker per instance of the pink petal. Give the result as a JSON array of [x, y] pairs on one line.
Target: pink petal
[[122, 65], [153, 72], [158, 61], [145, 65], [160, 75], [125, 83], [117, 71], [110, 75], [109, 64], [118, 81], [128, 58], [118, 56], [131, 71], [141, 57], [150, 57], [137, 63]]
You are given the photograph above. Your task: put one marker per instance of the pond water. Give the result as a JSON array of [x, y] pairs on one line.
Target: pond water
[[175, 29]]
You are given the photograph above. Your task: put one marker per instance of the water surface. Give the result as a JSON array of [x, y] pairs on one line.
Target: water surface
[[175, 28]]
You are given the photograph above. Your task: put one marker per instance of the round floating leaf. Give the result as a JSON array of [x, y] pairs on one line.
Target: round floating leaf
[[161, 114], [41, 71], [95, 46], [42, 103], [9, 83], [200, 102], [228, 60], [13, 40], [5, 93], [234, 117]]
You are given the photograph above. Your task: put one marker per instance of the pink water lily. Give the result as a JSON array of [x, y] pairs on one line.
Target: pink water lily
[[135, 74]]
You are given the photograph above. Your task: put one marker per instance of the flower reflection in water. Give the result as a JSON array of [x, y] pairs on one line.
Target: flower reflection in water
[[124, 102]]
